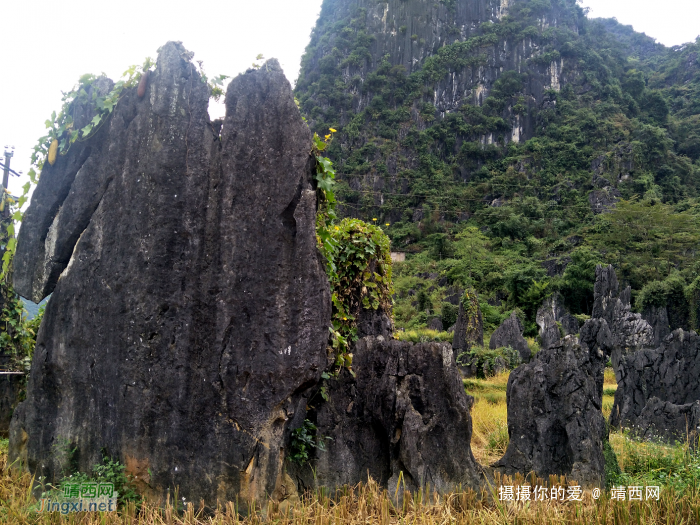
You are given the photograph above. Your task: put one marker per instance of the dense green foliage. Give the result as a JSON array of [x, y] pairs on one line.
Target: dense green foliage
[[357, 256], [510, 218], [304, 439], [17, 333]]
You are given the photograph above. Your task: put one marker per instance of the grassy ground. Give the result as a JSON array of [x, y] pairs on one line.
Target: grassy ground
[[674, 469]]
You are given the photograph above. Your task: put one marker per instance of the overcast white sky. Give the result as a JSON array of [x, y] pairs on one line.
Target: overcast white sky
[[48, 45]]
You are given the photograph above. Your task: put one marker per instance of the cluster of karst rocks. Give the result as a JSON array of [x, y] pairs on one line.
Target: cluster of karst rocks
[[187, 334]]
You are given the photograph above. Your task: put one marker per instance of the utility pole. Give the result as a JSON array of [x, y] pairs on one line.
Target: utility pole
[[9, 153]]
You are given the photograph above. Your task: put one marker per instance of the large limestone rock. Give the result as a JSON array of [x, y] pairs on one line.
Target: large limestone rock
[[469, 329], [555, 423], [665, 421], [510, 333], [554, 321], [405, 410], [630, 332], [190, 307], [12, 387], [669, 373], [657, 317]]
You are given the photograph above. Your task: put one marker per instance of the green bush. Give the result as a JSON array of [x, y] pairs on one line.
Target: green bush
[[485, 359], [449, 313]]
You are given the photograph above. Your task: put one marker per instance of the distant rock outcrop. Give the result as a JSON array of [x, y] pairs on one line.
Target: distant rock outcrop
[[665, 421], [657, 317], [404, 410], [669, 373], [555, 423], [630, 332], [555, 321], [510, 333], [469, 329], [190, 306]]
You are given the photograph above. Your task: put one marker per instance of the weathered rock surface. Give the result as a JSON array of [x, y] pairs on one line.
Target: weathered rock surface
[[510, 333], [555, 421], [404, 411], [630, 332], [12, 387], [550, 317], [665, 421], [435, 324], [469, 329], [190, 307], [602, 200], [657, 317], [374, 322], [669, 373]]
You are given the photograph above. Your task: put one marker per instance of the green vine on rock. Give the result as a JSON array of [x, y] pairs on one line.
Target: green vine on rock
[[358, 261]]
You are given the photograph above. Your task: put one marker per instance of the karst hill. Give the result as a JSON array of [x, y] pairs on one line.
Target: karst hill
[[525, 120]]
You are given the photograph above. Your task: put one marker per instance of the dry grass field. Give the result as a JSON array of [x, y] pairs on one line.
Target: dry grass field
[[674, 469]]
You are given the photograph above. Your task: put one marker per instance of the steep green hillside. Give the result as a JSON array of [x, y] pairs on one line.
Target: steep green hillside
[[496, 138]]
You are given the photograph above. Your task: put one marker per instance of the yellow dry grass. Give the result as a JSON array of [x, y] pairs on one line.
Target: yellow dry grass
[[368, 504], [489, 417]]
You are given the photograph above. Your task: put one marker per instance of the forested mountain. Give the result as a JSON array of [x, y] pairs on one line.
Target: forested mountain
[[510, 146]]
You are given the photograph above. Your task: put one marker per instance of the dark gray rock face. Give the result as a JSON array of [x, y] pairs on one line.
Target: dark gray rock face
[[596, 336], [435, 324], [630, 332], [657, 317], [453, 294], [374, 322], [602, 200], [469, 329], [192, 312], [664, 421], [555, 321], [510, 333], [555, 421], [669, 373], [405, 410], [12, 387], [556, 267], [570, 324]]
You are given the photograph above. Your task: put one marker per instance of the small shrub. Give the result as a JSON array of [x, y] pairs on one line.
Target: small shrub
[[449, 313], [304, 439], [485, 359]]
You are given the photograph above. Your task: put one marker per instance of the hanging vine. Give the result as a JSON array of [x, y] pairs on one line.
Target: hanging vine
[[358, 261]]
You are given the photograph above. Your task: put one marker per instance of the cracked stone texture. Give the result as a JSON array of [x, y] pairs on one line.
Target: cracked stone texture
[[555, 423], [630, 332], [469, 328], [552, 314], [657, 317], [190, 306], [665, 421], [669, 373], [510, 333], [12, 386], [405, 410]]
